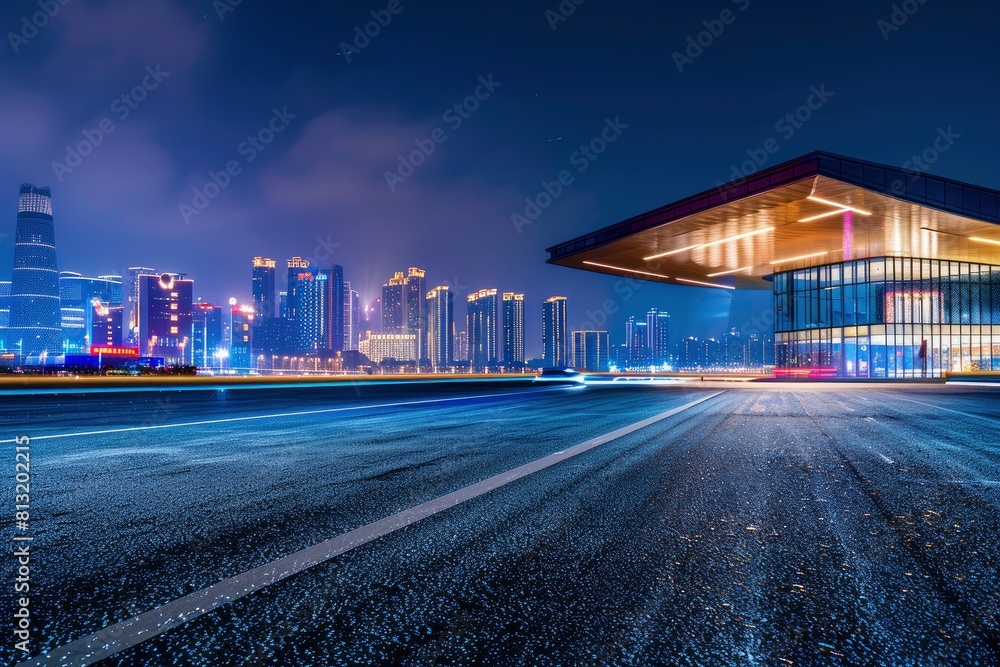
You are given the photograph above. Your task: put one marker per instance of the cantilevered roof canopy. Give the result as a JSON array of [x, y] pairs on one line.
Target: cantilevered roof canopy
[[817, 209]]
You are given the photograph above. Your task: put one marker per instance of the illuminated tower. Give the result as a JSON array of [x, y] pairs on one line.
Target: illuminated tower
[[35, 322], [482, 328], [440, 327], [555, 338], [513, 329]]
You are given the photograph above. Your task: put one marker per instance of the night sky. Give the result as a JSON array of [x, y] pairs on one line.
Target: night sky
[[319, 189]]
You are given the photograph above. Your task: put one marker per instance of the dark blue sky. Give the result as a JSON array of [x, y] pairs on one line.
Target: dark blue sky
[[319, 189]]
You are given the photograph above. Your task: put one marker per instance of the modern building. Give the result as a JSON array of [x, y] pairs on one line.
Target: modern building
[[441, 327], [461, 346], [482, 327], [711, 353], [513, 330], [241, 339], [107, 325], [637, 341], [658, 334], [315, 305], [134, 273], [35, 323], [555, 338], [4, 313], [591, 350], [733, 349], [352, 318], [690, 353], [206, 336], [394, 304], [416, 309], [77, 295], [389, 346], [166, 310], [875, 271], [264, 287]]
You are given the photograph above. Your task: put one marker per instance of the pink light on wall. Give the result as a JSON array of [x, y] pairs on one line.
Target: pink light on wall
[[848, 235]]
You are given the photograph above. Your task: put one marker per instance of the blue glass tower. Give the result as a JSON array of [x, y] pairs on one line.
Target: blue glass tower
[[35, 322]]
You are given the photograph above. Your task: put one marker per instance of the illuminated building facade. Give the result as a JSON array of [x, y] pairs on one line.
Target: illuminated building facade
[[241, 338], [4, 313], [482, 328], [555, 337], [397, 347], [637, 340], [590, 350], [35, 329], [106, 324], [166, 308], [263, 288], [134, 273], [876, 271], [441, 327], [77, 295], [315, 305], [206, 336], [513, 330], [658, 334]]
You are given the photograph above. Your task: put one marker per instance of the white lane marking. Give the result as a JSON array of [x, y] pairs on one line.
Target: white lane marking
[[120, 636], [279, 415], [957, 412], [884, 458], [960, 383]]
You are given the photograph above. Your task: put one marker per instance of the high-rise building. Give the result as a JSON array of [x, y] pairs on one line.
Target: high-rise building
[[264, 286], [733, 349], [658, 334], [590, 350], [241, 339], [309, 303], [283, 312], [637, 340], [513, 330], [555, 337], [166, 309], [335, 297], [690, 353], [352, 318], [441, 327], [482, 328], [35, 324], [134, 273], [76, 296], [416, 309], [106, 325], [394, 317], [4, 314], [712, 353], [461, 352], [753, 351], [206, 335]]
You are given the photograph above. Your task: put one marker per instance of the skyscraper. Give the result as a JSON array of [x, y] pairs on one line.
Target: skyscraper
[[416, 310], [335, 310], [482, 328], [441, 327], [637, 340], [309, 305], [134, 273], [106, 325], [513, 329], [555, 338], [4, 314], [166, 308], [590, 350], [394, 316], [263, 286], [352, 318], [206, 335], [35, 323], [658, 337], [240, 357], [461, 346]]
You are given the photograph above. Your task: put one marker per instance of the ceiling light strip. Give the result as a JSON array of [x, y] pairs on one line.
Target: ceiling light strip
[[744, 235], [833, 203], [698, 282], [620, 268], [795, 259], [731, 271]]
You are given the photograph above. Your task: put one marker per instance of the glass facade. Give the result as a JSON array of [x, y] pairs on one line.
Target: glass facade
[[890, 317]]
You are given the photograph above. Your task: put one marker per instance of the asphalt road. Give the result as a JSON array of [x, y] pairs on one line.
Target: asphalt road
[[769, 525]]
